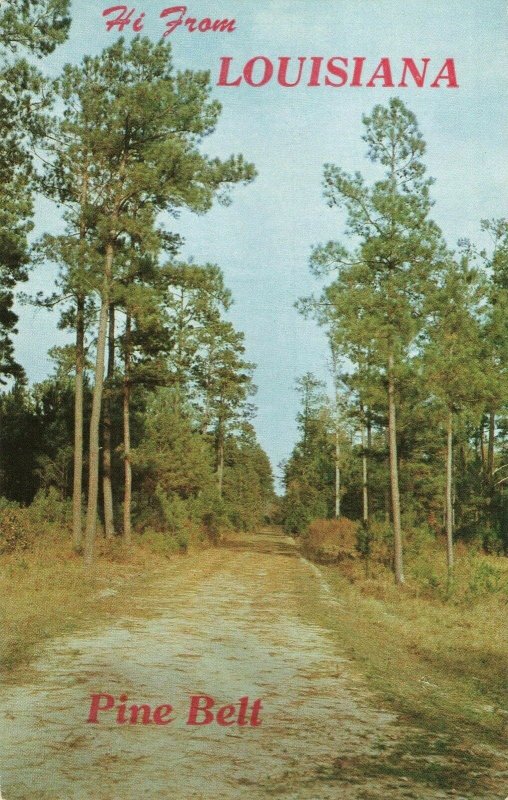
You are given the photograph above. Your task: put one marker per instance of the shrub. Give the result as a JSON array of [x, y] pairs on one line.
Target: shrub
[[332, 539], [175, 511], [163, 543], [381, 542], [17, 530], [296, 519], [492, 541], [49, 507], [210, 511], [425, 575], [486, 579]]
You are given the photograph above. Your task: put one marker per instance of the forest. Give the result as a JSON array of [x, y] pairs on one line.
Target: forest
[[146, 424], [145, 554], [148, 414], [414, 435]]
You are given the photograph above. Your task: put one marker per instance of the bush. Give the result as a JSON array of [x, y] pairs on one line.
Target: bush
[[426, 575], [492, 541], [164, 544], [17, 530], [296, 519], [381, 542], [332, 539], [486, 579], [48, 507], [210, 511]]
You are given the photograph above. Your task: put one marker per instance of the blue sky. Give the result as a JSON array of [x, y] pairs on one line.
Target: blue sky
[[263, 240]]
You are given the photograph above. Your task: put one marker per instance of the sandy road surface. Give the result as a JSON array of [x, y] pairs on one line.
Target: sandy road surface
[[224, 623]]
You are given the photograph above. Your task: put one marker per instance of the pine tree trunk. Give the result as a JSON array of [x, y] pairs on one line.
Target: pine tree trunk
[[394, 475], [335, 365], [93, 469], [127, 501], [369, 451], [220, 458], [77, 491], [337, 472], [449, 496], [109, 525], [365, 483], [491, 443]]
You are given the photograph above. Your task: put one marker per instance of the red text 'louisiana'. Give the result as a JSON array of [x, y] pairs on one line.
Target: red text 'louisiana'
[[339, 71]]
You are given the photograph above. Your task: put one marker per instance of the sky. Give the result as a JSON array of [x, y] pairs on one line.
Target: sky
[[262, 241]]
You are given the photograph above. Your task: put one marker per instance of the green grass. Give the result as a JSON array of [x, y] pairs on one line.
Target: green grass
[[440, 664]]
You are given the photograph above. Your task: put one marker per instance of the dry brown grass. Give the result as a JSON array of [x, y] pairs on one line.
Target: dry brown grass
[[46, 590], [330, 540], [439, 654]]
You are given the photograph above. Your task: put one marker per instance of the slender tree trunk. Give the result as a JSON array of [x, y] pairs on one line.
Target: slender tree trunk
[[93, 470], [335, 364], [491, 443], [449, 496], [127, 436], [394, 475], [220, 458], [369, 451], [387, 491], [109, 525], [366, 447], [337, 471], [365, 481], [482, 442], [77, 491]]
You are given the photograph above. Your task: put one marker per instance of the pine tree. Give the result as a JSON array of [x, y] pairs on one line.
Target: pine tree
[[495, 355], [225, 380], [140, 125], [385, 280], [145, 344], [452, 362], [309, 472], [33, 28], [75, 256]]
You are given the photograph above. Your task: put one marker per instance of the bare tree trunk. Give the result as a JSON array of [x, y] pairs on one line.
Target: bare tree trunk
[[337, 471], [220, 458], [369, 451], [77, 490], [365, 482], [491, 443], [449, 497], [482, 442], [93, 470], [127, 501], [335, 364], [394, 475], [109, 525]]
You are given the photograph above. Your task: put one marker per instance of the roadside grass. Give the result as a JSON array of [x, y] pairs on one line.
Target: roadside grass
[[424, 763], [437, 657], [46, 590]]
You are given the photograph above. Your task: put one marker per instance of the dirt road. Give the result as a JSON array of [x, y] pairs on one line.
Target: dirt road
[[226, 624]]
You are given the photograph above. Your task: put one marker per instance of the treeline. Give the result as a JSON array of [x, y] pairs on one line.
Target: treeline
[[175, 480], [149, 411], [415, 432]]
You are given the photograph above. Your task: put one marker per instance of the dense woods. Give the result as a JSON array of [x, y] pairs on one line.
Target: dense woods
[[147, 419], [414, 434], [146, 561], [146, 422]]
